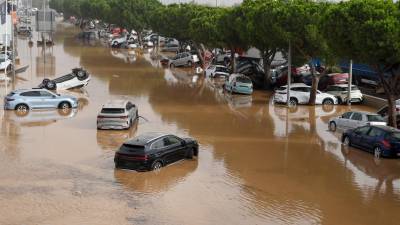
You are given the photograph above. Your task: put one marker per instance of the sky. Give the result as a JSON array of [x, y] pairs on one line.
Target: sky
[[208, 2]]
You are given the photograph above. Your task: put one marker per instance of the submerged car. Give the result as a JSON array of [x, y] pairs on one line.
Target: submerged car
[[300, 94], [5, 63], [183, 59], [77, 79], [151, 151], [351, 120], [27, 99], [341, 92], [239, 83], [379, 140], [117, 114], [214, 71]]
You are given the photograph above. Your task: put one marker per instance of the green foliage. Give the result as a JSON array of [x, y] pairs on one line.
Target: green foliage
[[366, 31]]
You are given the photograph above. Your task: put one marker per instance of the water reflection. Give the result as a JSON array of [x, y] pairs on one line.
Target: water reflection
[[39, 117], [113, 139], [156, 182]]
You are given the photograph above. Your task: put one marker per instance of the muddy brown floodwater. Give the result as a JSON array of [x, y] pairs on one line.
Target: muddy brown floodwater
[[259, 163]]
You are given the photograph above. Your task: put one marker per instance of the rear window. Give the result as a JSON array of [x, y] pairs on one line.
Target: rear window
[[132, 148], [112, 110], [375, 118], [396, 136], [243, 80]]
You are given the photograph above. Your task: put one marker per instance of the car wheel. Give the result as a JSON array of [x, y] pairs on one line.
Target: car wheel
[[377, 152], [21, 108], [64, 105], [332, 126], [51, 85], [81, 75], [117, 165], [189, 64], [293, 102], [9, 68], [64, 112], [328, 101], [189, 153], [156, 165], [346, 141]]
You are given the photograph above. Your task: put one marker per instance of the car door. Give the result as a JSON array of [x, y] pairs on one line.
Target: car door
[[344, 120], [356, 120], [48, 100], [358, 135], [172, 149], [179, 59], [178, 147], [32, 98], [369, 140]]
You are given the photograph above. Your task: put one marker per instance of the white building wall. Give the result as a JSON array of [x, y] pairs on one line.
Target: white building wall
[[3, 30]]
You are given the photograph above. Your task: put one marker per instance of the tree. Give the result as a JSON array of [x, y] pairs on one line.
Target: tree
[[264, 30], [368, 31], [302, 19], [231, 24]]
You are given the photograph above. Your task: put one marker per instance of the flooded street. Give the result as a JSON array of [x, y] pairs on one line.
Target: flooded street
[[258, 163]]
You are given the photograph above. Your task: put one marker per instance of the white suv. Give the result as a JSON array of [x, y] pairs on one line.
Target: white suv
[[117, 114], [300, 94], [341, 92]]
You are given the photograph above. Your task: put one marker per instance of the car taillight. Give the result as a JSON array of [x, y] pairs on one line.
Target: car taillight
[[141, 158], [397, 109], [386, 143]]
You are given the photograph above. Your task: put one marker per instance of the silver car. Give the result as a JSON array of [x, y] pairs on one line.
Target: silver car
[[183, 59], [351, 120], [117, 115], [26, 99]]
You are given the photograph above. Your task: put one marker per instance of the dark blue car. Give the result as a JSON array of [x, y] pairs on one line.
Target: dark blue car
[[380, 140]]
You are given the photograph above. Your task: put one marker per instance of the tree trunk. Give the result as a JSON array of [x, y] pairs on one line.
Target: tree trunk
[[391, 98], [392, 120], [314, 87], [233, 63]]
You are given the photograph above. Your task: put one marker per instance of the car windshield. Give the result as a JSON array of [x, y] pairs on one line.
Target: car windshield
[[113, 110], [375, 118], [243, 80], [221, 69]]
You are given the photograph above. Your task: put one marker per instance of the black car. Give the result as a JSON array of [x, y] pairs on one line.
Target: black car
[[152, 151]]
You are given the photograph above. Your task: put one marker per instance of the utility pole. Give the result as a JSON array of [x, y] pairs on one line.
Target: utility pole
[[350, 81], [13, 41], [5, 45], [289, 77]]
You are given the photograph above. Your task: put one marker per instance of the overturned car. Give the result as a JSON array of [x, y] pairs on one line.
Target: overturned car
[[78, 78]]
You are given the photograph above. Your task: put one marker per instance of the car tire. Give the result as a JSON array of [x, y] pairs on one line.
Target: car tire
[[64, 112], [328, 101], [189, 153], [377, 152], [156, 165], [64, 105], [51, 85], [22, 108], [293, 102], [81, 75], [346, 141], [9, 68], [117, 165], [332, 126]]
